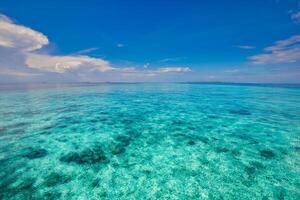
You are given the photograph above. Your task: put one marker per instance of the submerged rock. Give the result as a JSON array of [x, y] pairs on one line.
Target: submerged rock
[[250, 170], [133, 133], [236, 152], [25, 189], [55, 179], [6, 182], [51, 195], [124, 139], [118, 148], [193, 138], [191, 142], [127, 121], [221, 149], [240, 112], [267, 153], [203, 139], [94, 155], [253, 167], [2, 130], [178, 122], [32, 153], [257, 165]]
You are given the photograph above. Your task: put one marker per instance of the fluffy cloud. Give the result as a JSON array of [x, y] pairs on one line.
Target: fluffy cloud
[[20, 37], [60, 64], [19, 58], [283, 51]]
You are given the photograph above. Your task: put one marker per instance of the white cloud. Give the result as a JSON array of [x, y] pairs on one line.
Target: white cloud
[[20, 37], [19, 58], [283, 51], [173, 69], [132, 70], [120, 45], [60, 64]]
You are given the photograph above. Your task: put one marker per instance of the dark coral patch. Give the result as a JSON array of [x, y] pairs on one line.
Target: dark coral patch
[[257, 165], [95, 183], [124, 139], [32, 153], [55, 179], [266, 153], [127, 121], [203, 139], [194, 138], [191, 142], [253, 168], [250, 170], [118, 148], [221, 149], [240, 112], [26, 185], [133, 133], [246, 137], [178, 122], [52, 195], [236, 152], [87, 156], [2, 130]]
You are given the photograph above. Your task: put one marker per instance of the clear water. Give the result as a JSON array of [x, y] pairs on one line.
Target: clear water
[[150, 141]]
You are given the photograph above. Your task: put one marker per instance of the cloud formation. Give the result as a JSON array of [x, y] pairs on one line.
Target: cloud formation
[[295, 16], [20, 58], [153, 72], [20, 37], [283, 51], [245, 47], [60, 64]]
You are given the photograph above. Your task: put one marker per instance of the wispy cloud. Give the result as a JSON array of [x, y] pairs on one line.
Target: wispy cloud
[[172, 59], [295, 16], [85, 51], [283, 51], [173, 69], [153, 72], [120, 45], [245, 47], [232, 70]]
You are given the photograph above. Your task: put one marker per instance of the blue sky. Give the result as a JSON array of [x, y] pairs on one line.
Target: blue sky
[[225, 40]]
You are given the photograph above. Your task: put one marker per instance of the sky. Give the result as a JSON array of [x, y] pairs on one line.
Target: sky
[[249, 41]]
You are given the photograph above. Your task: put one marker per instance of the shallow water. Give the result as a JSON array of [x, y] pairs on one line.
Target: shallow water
[[150, 141]]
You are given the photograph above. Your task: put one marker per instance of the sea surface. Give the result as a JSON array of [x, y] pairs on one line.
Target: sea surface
[[149, 141]]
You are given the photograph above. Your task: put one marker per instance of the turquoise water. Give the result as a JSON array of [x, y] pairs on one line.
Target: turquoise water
[[150, 141]]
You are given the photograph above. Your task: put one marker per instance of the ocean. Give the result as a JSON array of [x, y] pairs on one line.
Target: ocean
[[149, 141]]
